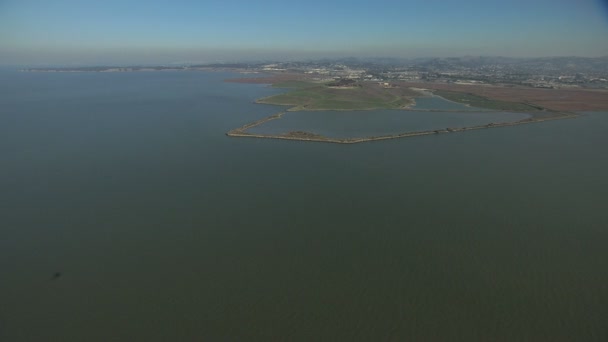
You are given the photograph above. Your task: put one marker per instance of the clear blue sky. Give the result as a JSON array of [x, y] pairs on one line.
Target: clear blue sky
[[83, 31]]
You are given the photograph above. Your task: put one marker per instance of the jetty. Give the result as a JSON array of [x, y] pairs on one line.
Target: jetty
[[307, 136]]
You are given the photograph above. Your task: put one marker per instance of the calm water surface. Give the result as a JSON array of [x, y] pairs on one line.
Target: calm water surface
[[165, 229], [341, 124]]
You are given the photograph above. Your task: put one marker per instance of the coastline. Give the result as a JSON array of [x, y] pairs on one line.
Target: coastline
[[305, 136], [535, 116]]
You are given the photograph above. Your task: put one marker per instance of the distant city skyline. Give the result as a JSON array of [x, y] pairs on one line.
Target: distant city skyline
[[34, 32]]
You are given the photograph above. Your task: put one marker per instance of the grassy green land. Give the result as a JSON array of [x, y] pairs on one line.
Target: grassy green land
[[319, 96], [295, 84], [307, 96], [483, 102]]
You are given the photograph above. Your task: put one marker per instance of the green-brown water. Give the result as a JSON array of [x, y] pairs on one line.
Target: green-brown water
[[165, 229], [367, 123]]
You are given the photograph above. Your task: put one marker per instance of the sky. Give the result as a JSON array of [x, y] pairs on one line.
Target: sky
[[83, 32]]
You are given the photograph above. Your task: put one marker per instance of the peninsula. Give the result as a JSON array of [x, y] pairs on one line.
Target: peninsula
[[351, 95], [541, 88], [342, 95]]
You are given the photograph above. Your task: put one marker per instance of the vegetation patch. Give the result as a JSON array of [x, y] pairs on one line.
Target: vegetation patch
[[297, 84], [326, 96], [484, 102]]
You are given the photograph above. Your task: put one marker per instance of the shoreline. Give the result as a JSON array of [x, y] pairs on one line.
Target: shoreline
[[305, 136], [535, 116]]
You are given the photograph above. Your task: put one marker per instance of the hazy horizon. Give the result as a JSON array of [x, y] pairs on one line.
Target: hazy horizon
[[69, 32], [219, 57], [388, 197]]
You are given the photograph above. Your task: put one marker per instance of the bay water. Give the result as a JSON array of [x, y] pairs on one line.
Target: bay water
[[128, 214]]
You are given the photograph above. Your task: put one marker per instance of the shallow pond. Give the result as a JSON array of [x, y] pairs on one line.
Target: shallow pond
[[341, 124]]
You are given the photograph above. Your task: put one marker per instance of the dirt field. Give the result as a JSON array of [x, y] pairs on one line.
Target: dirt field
[[555, 99]]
